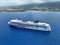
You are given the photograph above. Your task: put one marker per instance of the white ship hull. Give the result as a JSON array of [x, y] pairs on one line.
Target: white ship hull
[[30, 25]]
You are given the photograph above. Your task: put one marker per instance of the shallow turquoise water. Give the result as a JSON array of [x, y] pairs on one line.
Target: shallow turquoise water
[[15, 36]]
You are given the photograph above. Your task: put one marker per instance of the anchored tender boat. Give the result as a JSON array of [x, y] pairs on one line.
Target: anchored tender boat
[[30, 25]]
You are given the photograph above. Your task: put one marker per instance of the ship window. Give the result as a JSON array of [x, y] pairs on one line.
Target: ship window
[[37, 26], [30, 25], [14, 22], [43, 27]]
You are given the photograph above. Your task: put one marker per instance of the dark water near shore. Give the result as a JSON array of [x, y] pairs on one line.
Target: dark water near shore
[[15, 36]]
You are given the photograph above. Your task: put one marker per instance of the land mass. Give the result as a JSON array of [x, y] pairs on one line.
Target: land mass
[[50, 6]]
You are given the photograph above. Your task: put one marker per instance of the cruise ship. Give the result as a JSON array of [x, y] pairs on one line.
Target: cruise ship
[[35, 25]]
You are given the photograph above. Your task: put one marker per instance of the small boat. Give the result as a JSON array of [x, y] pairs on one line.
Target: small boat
[[30, 25]]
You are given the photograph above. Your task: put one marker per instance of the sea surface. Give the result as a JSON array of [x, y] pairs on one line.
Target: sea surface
[[15, 36]]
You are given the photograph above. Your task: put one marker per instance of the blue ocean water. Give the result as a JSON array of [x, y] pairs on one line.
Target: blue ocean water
[[15, 36]]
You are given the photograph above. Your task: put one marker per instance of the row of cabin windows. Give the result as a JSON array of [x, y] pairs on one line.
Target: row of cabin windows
[[28, 25]]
